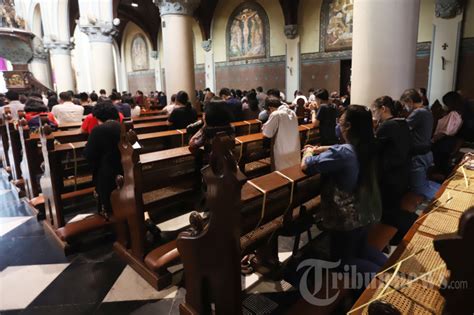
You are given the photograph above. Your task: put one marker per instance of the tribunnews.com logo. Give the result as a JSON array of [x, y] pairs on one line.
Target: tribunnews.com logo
[[319, 293]]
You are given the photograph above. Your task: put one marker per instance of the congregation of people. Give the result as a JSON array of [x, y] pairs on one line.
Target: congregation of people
[[370, 155]]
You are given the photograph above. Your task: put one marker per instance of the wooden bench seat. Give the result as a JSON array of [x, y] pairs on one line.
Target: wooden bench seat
[[75, 230], [162, 256], [242, 214]]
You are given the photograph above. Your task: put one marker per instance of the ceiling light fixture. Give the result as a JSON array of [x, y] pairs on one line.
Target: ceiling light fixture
[[134, 4]]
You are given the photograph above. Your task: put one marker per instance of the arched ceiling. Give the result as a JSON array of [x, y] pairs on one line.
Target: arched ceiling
[[147, 16]]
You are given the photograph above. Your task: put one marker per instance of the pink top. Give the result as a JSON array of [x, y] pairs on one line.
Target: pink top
[[449, 125]]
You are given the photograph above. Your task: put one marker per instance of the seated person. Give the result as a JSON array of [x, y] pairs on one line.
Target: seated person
[[168, 109], [90, 122], [67, 112], [282, 128], [250, 106], [350, 199], [85, 102], [217, 118], [444, 138], [183, 113], [14, 104], [298, 95], [393, 142], [103, 155], [233, 103], [135, 110], [34, 108], [123, 108]]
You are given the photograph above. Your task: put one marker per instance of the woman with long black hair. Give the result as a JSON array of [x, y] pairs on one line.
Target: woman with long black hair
[[183, 113], [350, 199]]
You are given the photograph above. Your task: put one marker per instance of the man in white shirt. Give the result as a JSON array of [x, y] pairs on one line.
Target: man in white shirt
[[13, 103], [66, 111], [282, 127]]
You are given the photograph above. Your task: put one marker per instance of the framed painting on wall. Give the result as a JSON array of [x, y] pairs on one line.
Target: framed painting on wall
[[247, 32], [139, 53], [336, 25]]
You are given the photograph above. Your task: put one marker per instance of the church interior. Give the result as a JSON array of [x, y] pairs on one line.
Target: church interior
[[236, 157]]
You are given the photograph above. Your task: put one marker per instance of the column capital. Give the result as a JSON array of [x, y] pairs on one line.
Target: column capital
[[207, 45], [291, 31], [177, 7], [40, 52], [447, 9], [100, 32], [59, 47]]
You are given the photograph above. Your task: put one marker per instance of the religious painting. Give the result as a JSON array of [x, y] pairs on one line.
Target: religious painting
[[139, 53], [337, 24], [247, 32], [15, 80]]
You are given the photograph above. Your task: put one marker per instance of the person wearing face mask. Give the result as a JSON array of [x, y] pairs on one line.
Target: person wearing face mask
[[393, 146], [420, 121], [350, 198], [282, 128]]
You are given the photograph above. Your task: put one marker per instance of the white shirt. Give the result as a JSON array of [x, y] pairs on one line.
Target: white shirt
[[14, 106], [283, 126], [68, 112], [136, 111], [312, 98]]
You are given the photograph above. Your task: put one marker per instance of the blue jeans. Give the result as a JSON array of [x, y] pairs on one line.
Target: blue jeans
[[419, 182], [352, 248]]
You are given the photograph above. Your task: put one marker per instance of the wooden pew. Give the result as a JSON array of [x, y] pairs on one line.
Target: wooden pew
[[32, 156], [211, 255], [62, 182], [139, 191], [152, 118], [56, 155], [69, 126]]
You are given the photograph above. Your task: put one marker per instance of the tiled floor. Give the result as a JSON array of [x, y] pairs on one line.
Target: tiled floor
[[36, 277]]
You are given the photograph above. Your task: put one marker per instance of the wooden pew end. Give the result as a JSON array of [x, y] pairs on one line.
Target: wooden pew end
[[159, 259]]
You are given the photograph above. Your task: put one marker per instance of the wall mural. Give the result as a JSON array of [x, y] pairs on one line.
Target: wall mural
[[337, 23], [139, 53], [247, 32]]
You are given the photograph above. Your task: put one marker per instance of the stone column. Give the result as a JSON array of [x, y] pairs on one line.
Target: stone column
[[102, 56], [447, 27], [210, 67], [383, 49], [293, 61], [176, 23], [39, 66], [63, 76], [158, 77]]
